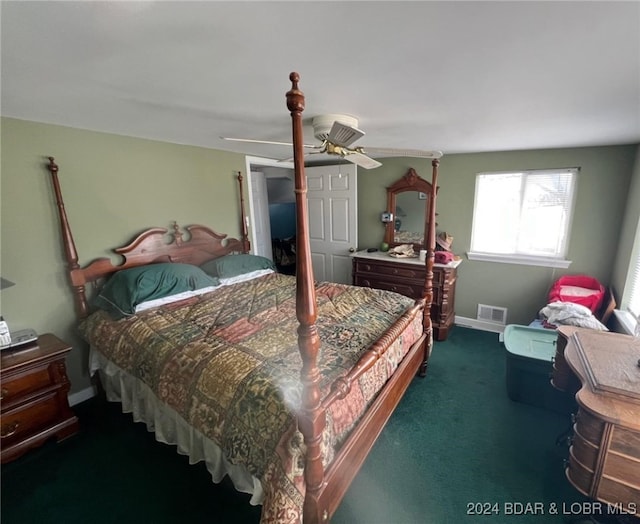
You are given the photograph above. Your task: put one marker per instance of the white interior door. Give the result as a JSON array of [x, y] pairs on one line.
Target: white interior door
[[333, 231], [261, 224]]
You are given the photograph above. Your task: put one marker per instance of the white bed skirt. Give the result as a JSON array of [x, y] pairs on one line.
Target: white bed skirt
[[169, 427]]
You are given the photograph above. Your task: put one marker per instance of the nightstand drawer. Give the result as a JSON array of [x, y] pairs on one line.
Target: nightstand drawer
[[26, 419], [25, 383]]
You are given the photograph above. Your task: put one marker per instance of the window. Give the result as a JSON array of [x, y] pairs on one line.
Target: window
[[523, 217], [631, 295], [629, 313]]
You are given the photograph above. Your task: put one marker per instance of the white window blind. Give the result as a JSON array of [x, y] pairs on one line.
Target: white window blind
[[523, 214], [631, 298]]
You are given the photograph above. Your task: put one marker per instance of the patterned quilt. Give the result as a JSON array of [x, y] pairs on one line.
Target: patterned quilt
[[228, 363]]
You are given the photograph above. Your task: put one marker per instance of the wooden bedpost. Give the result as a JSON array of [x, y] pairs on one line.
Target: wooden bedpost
[[243, 218], [71, 255], [311, 417], [428, 282]]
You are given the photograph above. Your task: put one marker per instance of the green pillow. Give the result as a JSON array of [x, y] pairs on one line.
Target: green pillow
[[130, 287], [233, 265]]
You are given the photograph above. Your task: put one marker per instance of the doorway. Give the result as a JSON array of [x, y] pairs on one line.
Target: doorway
[[271, 210], [333, 215]]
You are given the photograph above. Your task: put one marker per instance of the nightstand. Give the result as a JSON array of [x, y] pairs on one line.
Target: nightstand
[[34, 403]]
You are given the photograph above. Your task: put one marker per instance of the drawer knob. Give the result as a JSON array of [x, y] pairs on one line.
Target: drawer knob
[[9, 429], [3, 393]]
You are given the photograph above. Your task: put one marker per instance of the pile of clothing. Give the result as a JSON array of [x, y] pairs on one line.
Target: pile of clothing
[[444, 254], [403, 251], [573, 300], [571, 314]]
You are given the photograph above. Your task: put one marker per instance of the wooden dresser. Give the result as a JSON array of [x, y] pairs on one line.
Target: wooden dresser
[[562, 376], [406, 276], [34, 400], [604, 457]]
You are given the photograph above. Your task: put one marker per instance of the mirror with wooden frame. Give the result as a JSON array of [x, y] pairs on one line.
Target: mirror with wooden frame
[[408, 201]]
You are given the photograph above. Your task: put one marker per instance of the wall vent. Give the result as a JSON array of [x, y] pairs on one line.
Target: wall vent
[[493, 314]]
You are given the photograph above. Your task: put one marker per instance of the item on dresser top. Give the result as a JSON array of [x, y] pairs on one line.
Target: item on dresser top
[[445, 241], [403, 251], [443, 257]]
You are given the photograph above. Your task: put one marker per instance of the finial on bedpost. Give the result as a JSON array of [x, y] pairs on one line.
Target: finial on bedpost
[[295, 97], [311, 417], [68, 243], [428, 282], [53, 167]]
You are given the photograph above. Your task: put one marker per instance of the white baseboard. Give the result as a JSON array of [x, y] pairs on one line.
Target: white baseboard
[[478, 324], [82, 395]]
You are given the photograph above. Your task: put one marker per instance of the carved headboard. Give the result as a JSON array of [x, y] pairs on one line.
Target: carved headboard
[[151, 246]]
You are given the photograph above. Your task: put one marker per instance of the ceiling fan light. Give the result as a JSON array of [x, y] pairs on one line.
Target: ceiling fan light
[[322, 124], [343, 135]]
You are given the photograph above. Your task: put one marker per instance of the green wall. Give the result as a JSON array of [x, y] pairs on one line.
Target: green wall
[[114, 186], [627, 231], [602, 197]]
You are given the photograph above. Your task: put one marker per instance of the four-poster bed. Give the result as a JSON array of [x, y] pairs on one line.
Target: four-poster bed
[[214, 371]]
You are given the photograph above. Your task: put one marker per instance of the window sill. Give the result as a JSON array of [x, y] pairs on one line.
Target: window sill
[[521, 260], [626, 321]]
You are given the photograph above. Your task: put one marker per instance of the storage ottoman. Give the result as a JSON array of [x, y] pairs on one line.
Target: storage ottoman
[[530, 352]]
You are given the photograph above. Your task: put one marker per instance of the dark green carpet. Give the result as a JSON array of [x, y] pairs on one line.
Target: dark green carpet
[[456, 439]]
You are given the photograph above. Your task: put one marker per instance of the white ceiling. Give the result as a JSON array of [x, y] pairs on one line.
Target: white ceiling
[[454, 76]]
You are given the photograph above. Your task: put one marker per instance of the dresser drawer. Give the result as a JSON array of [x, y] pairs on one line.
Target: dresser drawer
[[626, 442], [395, 270], [623, 469], [578, 475], [584, 452], [589, 427], [626, 496], [404, 288], [24, 383], [28, 418]]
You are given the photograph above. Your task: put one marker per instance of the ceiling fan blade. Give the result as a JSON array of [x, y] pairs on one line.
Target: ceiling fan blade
[[270, 142], [362, 160], [392, 151], [343, 135], [291, 159]]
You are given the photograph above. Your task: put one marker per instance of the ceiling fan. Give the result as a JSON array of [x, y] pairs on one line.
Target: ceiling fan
[[336, 133]]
